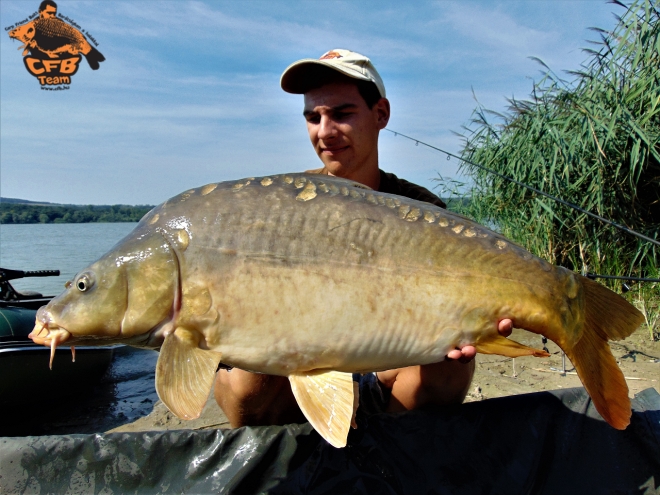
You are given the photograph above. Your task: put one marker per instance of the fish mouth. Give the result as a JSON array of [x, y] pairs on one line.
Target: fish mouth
[[47, 333]]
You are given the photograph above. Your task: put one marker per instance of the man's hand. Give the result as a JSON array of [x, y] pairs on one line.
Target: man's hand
[[467, 353]]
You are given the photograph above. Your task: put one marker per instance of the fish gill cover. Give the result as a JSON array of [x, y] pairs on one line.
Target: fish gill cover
[[53, 46]]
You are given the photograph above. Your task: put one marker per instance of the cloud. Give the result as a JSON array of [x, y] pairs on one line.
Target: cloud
[[189, 92], [494, 28]]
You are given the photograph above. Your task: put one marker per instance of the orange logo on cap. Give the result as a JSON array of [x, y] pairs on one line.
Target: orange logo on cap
[[331, 55]]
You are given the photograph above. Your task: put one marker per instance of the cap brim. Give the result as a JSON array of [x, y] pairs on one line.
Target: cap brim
[[301, 76]]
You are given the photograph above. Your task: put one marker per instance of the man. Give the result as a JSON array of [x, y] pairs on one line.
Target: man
[[47, 9], [345, 109]]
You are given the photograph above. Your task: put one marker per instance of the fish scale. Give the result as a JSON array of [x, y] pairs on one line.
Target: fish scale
[[53, 28], [314, 278], [52, 35]]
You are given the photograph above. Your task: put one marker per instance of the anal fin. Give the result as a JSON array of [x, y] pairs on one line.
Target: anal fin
[[506, 347], [328, 399], [185, 373]]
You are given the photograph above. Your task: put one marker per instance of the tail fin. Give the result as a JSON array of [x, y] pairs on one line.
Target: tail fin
[[608, 316], [94, 57]]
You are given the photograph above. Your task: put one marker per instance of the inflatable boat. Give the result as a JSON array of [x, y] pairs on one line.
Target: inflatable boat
[[25, 375]]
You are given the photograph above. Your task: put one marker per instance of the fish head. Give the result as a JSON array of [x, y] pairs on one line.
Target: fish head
[[24, 33], [121, 298]]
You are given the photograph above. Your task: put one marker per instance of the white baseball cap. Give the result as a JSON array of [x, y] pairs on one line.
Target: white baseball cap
[[298, 76]]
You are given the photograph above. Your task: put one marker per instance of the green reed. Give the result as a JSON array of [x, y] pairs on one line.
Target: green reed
[[593, 141]]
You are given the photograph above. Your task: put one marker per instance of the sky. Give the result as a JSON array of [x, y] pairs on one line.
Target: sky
[[189, 92]]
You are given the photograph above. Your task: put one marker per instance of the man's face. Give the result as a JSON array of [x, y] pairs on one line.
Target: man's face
[[343, 129], [48, 12]]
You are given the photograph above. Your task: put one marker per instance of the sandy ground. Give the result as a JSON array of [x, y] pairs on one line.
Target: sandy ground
[[496, 376]]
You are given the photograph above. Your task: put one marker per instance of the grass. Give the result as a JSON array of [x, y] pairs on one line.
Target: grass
[[593, 141]]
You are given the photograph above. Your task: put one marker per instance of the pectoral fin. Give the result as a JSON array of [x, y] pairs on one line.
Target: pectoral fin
[[505, 347], [185, 373], [328, 400]]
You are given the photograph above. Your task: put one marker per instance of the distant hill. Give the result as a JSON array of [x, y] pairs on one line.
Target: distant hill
[[19, 211], [24, 201]]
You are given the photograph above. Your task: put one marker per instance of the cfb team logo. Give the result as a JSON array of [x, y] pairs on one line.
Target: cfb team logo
[[53, 48]]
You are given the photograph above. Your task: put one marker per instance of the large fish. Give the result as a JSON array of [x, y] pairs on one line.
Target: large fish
[[316, 277], [53, 36]]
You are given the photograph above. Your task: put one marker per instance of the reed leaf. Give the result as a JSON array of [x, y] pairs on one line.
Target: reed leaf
[[593, 141]]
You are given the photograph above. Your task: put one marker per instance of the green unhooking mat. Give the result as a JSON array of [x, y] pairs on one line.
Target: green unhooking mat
[[541, 443]]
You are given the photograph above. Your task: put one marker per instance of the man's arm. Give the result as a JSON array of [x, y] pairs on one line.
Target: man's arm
[[446, 382]]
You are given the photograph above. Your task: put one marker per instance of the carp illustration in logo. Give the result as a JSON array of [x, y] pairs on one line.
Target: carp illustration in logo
[[54, 37], [52, 47]]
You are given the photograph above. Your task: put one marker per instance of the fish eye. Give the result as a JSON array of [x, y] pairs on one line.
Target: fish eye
[[84, 282]]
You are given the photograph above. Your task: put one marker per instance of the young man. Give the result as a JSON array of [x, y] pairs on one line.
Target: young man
[[47, 9], [345, 109]]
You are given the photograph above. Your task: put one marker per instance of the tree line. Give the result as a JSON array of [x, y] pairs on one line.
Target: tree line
[[12, 213]]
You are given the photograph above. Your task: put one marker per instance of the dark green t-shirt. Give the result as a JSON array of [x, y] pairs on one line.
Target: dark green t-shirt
[[391, 184]]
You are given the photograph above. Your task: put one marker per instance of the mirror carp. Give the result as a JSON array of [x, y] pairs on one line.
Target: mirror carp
[[314, 278]]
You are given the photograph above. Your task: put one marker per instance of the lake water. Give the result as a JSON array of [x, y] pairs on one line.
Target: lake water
[[68, 247], [127, 391]]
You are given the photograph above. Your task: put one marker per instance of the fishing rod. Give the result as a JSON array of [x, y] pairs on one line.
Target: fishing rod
[[538, 191], [625, 287], [592, 276]]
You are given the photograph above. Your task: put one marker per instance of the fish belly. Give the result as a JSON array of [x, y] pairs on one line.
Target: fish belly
[[320, 318]]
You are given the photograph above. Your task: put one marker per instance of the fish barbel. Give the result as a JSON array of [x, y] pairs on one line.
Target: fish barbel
[[314, 278]]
